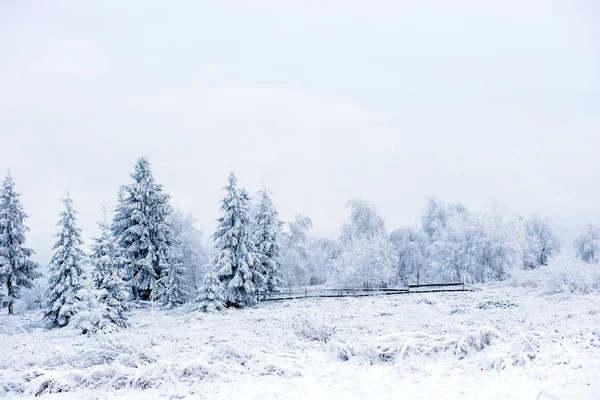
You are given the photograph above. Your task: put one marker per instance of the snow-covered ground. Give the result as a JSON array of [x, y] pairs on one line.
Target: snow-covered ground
[[498, 343]]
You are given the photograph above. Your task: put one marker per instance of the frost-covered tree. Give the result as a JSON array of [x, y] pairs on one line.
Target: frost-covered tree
[[211, 297], [409, 248], [364, 222], [296, 263], [502, 240], [17, 270], [587, 245], [455, 248], [542, 242], [236, 263], [267, 238], [106, 291], [367, 258], [142, 232], [437, 214], [366, 263], [476, 248], [173, 286], [93, 313], [188, 249], [65, 270]]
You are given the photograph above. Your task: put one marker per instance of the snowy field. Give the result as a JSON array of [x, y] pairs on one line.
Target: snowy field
[[498, 343]]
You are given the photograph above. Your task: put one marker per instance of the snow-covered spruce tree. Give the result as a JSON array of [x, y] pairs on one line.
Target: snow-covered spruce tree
[[211, 297], [107, 295], [235, 262], [142, 232], [93, 313], [267, 241], [66, 269], [173, 289], [587, 245], [17, 270]]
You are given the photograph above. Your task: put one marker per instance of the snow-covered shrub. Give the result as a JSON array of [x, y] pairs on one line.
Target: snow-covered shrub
[[92, 312], [567, 274], [526, 278], [311, 328]]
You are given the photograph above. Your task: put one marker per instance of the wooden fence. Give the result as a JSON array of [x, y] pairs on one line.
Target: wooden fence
[[351, 292]]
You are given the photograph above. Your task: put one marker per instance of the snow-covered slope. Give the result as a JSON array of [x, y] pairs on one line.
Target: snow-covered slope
[[498, 343]]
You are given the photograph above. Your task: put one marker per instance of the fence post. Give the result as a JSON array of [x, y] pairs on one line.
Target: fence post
[[305, 292]]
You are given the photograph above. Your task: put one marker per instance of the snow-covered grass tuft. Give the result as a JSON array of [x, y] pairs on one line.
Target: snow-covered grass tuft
[[403, 345], [311, 328]]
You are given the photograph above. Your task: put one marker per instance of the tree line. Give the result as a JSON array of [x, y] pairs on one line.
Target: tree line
[[149, 251]]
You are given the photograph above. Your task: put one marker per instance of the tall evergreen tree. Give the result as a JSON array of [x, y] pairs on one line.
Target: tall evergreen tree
[[66, 269], [267, 241], [17, 270], [236, 258], [142, 232], [107, 280]]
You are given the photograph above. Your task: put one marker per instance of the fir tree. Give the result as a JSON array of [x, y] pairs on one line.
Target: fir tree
[[107, 287], [236, 258], [172, 285], [17, 270], [142, 233], [66, 269], [267, 241], [211, 297]]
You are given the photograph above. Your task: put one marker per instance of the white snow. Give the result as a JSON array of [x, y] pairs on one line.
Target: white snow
[[497, 343]]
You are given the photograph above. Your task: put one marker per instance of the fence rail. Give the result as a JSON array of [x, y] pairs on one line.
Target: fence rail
[[351, 292]]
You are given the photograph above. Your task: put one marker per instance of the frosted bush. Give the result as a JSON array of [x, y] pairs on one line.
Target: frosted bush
[[567, 274]]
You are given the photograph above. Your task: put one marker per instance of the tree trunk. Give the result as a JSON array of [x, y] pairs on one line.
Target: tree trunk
[[11, 299]]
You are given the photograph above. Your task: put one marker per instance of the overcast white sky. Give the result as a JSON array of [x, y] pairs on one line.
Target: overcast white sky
[[392, 101]]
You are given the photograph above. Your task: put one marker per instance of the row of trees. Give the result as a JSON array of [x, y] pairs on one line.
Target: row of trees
[[147, 252], [151, 252], [451, 244]]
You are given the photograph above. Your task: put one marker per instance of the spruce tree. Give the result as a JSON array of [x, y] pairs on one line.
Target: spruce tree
[[107, 281], [236, 263], [211, 297], [66, 269], [17, 270], [142, 232], [267, 241], [173, 287]]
